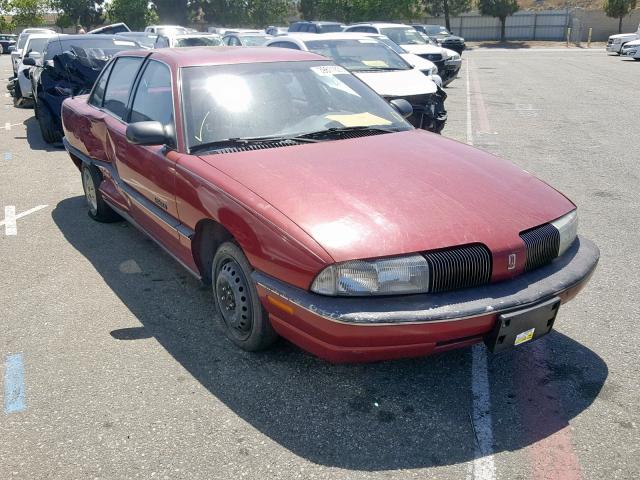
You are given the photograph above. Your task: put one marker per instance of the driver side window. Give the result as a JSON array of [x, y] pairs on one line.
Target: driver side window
[[153, 100]]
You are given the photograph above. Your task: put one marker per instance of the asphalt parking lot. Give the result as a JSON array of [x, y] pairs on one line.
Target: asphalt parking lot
[[114, 367]]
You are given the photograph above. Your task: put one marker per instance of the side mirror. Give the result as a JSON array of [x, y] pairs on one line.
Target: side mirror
[[31, 62], [403, 107], [147, 133], [12, 48]]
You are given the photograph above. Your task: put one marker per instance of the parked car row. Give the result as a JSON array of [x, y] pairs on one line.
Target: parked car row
[[49, 67], [625, 44]]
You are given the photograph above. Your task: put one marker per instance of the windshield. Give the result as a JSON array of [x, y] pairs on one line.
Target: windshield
[[404, 35], [436, 30], [391, 44], [97, 48], [359, 55], [198, 42], [254, 40], [37, 45], [146, 40], [170, 31], [223, 102], [330, 28], [22, 39]]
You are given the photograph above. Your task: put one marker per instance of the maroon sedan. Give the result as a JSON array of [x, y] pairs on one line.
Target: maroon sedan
[[316, 212]]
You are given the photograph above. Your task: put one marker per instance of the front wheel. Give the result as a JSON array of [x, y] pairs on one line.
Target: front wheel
[[98, 208], [239, 310]]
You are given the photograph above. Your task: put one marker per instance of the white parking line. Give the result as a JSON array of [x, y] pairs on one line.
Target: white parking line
[[10, 217], [7, 126], [483, 466], [10, 226]]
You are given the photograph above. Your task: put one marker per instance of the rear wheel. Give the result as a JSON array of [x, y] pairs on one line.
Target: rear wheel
[[98, 208], [50, 133], [238, 307]]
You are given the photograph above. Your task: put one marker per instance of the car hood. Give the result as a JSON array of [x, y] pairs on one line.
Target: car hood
[[451, 38], [396, 193], [398, 83], [421, 49], [418, 62], [632, 44], [625, 36]]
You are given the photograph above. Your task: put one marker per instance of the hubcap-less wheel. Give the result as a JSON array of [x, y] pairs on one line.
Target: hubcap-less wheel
[[90, 191], [232, 292]]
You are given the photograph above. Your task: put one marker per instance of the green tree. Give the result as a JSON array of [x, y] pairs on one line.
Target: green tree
[[137, 14], [27, 13], [619, 9], [500, 9], [87, 13], [448, 8], [5, 8], [175, 12], [262, 13]]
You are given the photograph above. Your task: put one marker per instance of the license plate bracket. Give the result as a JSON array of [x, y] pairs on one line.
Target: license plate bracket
[[522, 326]]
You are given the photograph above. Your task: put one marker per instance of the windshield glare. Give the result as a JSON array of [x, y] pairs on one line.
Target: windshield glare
[[359, 55], [404, 35], [198, 42], [277, 99], [170, 31]]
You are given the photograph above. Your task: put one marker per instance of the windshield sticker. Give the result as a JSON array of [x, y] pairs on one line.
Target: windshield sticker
[[375, 63], [329, 70], [364, 119], [123, 43]]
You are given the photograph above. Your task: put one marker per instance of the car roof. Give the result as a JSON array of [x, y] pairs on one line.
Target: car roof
[[33, 36], [304, 36], [251, 33], [380, 24], [319, 22], [201, 56]]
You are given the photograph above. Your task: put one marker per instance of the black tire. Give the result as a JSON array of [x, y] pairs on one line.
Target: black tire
[[239, 310], [50, 133], [98, 208]]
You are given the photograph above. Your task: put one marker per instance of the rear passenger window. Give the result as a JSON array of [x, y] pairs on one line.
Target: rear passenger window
[[98, 93], [153, 100], [116, 94]]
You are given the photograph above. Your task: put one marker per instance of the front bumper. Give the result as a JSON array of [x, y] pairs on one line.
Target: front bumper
[[377, 328], [613, 47]]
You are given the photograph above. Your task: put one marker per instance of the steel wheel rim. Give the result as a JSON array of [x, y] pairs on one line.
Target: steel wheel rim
[[232, 297], [90, 191]]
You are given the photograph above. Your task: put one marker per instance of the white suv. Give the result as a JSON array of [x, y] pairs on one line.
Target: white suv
[[410, 40], [616, 42]]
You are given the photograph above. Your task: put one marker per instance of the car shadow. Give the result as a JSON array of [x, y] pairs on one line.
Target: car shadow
[[34, 137], [391, 415]]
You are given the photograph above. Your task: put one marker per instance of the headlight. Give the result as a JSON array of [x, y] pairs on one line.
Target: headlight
[[617, 40], [400, 275], [567, 225]]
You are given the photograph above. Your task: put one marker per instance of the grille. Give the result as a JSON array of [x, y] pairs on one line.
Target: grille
[[543, 244], [434, 57], [458, 267]]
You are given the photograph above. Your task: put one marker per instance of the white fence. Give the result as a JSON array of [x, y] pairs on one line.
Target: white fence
[[542, 25]]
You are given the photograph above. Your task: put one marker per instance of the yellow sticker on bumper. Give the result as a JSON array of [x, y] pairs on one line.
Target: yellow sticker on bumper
[[524, 336]]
